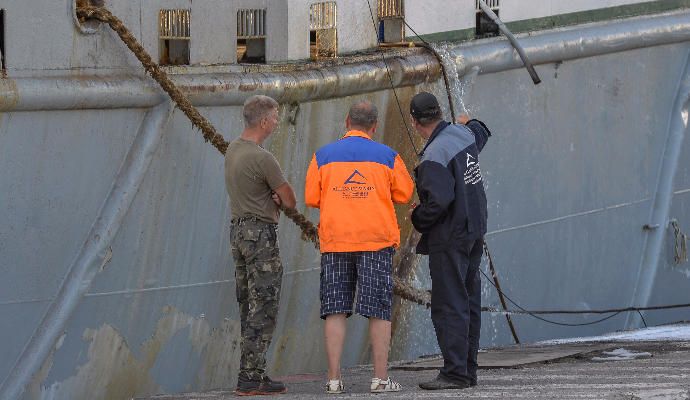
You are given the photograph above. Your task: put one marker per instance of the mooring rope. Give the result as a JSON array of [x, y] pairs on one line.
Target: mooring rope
[[680, 246], [309, 230], [208, 131]]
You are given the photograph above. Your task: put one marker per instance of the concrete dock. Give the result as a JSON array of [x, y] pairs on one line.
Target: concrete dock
[[590, 369]]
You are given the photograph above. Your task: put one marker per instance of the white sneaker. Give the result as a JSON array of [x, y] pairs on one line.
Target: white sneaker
[[335, 386], [383, 386]]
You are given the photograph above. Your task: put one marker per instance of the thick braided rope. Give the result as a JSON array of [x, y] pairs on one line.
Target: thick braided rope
[[208, 131], [309, 231], [407, 292]]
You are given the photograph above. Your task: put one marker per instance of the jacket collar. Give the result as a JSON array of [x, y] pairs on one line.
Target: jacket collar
[[441, 126], [356, 133]]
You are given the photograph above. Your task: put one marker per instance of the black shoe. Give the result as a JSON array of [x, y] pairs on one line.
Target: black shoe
[[443, 383], [254, 386], [269, 386], [247, 385]]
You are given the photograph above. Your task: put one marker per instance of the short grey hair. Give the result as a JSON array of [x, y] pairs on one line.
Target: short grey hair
[[256, 108], [429, 120], [363, 114]]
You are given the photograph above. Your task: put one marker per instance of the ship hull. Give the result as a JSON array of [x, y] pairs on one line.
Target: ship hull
[[134, 197]]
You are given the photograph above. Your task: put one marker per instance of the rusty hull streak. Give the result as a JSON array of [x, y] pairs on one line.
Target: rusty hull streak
[[395, 135], [114, 371], [249, 86], [9, 94]]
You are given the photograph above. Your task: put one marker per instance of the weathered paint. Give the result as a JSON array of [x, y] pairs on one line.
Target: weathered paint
[[112, 371], [94, 254]]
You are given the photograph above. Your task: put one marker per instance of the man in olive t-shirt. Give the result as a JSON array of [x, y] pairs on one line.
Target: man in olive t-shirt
[[257, 189], [251, 175]]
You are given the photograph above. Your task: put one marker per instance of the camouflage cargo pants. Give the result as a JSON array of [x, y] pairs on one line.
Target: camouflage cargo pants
[[258, 276]]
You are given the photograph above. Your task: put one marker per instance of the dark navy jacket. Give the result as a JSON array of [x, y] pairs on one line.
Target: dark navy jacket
[[450, 188]]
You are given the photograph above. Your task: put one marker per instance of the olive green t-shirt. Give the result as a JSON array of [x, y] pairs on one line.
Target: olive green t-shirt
[[251, 174]]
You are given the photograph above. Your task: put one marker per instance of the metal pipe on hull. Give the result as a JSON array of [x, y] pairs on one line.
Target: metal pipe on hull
[[231, 89], [68, 93], [663, 196], [573, 43], [511, 38], [94, 253], [209, 89]]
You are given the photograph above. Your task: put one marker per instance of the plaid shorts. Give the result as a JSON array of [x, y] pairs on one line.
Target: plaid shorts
[[367, 271]]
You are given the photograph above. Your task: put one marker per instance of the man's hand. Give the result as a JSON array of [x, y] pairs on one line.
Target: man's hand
[[413, 205], [276, 198], [463, 119]]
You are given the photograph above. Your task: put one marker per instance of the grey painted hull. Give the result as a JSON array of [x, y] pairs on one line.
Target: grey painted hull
[[572, 174]]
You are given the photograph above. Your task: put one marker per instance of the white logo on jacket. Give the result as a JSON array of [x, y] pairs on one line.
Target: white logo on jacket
[[469, 160], [472, 174]]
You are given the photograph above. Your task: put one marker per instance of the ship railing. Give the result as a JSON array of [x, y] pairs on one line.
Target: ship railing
[[174, 24], [323, 15], [251, 23], [390, 9], [493, 4]]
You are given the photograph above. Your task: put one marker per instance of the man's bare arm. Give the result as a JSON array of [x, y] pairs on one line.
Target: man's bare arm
[[286, 195]]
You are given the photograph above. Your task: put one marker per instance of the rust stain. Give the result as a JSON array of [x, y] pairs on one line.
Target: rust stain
[[9, 94], [113, 371], [220, 355], [246, 86], [396, 136], [292, 341], [194, 89]]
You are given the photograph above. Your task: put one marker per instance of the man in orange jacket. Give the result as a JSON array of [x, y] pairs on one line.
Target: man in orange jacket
[[355, 181]]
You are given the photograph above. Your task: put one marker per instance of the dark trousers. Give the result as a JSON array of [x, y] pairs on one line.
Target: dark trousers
[[456, 307]]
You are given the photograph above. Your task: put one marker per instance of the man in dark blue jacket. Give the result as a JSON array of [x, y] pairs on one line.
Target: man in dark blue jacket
[[451, 217]]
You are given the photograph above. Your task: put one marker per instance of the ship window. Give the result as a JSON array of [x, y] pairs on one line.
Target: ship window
[[2, 41], [174, 36], [251, 35], [323, 36], [391, 15], [484, 27]]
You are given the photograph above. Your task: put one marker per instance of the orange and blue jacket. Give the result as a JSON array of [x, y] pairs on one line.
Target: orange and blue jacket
[[355, 181]]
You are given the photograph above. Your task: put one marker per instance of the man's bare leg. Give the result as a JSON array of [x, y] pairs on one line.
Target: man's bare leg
[[380, 337], [334, 333]]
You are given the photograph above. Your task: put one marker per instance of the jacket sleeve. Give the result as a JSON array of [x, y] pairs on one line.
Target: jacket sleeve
[[402, 185], [480, 131], [312, 186], [436, 189]]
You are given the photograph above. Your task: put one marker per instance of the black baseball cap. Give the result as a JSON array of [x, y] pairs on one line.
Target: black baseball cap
[[424, 104]]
